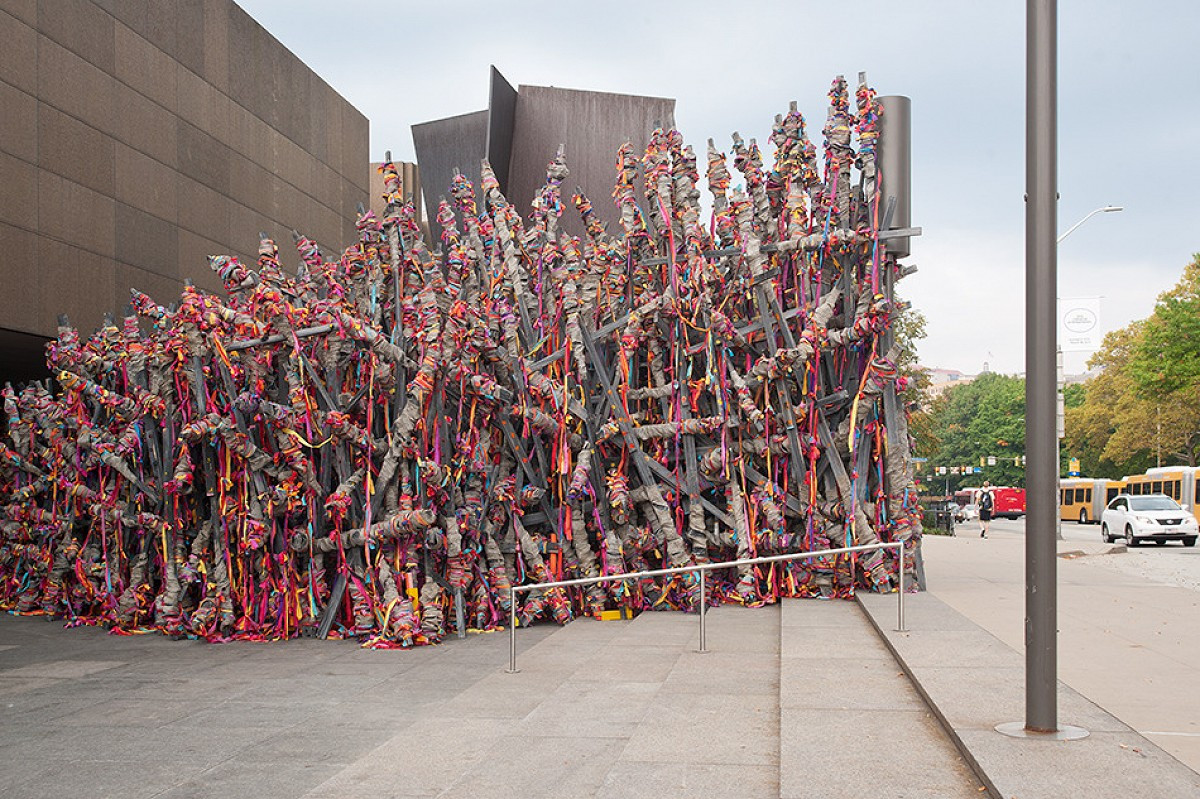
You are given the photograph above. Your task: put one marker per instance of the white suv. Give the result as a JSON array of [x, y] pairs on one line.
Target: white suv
[[1148, 517]]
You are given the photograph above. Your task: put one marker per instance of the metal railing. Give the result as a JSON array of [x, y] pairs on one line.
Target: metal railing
[[701, 569]]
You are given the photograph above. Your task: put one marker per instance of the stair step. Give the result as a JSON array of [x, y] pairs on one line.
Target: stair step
[[850, 722], [712, 727]]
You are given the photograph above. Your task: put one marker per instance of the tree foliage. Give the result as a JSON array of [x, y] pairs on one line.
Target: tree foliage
[[1166, 358], [980, 420], [1144, 406], [909, 328]]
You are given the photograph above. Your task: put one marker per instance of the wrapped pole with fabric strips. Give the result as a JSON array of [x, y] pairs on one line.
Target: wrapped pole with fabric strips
[[379, 445]]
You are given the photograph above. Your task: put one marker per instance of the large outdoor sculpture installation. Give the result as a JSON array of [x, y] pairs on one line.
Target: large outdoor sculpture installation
[[379, 445]]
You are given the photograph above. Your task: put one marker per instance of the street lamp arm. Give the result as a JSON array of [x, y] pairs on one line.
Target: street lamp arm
[[1105, 210]]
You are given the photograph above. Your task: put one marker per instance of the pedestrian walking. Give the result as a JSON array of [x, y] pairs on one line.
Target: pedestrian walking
[[987, 503]]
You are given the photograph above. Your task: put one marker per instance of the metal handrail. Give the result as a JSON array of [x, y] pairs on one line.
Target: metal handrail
[[701, 569]]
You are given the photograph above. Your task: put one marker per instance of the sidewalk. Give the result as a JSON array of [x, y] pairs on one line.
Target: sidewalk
[[806, 698], [792, 701], [1129, 645]]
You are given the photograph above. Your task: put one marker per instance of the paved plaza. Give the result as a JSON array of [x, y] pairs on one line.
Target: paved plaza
[[800, 699], [795, 700]]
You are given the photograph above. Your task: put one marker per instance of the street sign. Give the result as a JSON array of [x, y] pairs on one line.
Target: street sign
[[1079, 324]]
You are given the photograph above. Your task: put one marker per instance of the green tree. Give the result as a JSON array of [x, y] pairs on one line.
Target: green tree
[[1121, 428], [909, 328], [982, 420], [1166, 359], [1074, 395], [1108, 397], [1144, 406]]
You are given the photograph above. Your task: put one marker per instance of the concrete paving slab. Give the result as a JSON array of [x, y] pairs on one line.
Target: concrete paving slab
[[21, 685], [719, 729], [1029, 769], [840, 645], [807, 683], [538, 767], [1126, 642], [651, 628], [807, 613], [998, 694], [265, 686], [1105, 764], [235, 714], [640, 780], [64, 669], [432, 754], [166, 743], [737, 629], [321, 740], [1184, 747], [257, 780], [30, 752], [849, 754], [11, 779], [43, 705], [855, 726], [620, 708], [500, 696], [641, 663], [131, 779], [926, 647], [132, 713], [724, 672], [591, 709]]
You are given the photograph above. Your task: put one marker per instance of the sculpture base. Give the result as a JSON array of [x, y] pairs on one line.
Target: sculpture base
[[1065, 732]]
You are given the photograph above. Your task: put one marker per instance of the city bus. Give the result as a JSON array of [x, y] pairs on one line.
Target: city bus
[[1083, 499], [1180, 483]]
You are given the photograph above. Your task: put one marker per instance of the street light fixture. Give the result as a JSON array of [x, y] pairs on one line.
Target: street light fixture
[[1108, 209]]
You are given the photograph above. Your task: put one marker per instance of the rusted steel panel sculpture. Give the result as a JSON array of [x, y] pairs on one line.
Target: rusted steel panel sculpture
[[378, 445]]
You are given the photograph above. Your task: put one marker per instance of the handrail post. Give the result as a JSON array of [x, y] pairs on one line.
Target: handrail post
[[512, 630], [900, 588], [703, 608]]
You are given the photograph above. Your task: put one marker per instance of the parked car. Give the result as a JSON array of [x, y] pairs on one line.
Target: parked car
[[1148, 517], [966, 513]]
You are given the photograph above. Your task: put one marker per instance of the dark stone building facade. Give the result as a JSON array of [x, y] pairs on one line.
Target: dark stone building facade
[[520, 133], [137, 138]]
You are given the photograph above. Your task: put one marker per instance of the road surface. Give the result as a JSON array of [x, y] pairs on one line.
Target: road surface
[[1169, 564]]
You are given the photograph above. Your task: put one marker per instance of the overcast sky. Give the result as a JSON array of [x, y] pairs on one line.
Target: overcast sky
[[1129, 120]]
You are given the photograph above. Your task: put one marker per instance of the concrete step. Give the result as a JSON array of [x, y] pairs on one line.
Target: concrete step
[[604, 709], [976, 681], [850, 722], [712, 726], [793, 700]]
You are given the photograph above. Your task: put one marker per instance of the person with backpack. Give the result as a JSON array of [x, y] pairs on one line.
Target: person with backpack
[[987, 503]]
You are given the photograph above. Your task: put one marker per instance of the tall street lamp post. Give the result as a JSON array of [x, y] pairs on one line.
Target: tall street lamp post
[[1041, 439]]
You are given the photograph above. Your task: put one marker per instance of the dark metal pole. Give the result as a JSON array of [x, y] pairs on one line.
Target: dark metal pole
[[895, 165], [1041, 441]]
